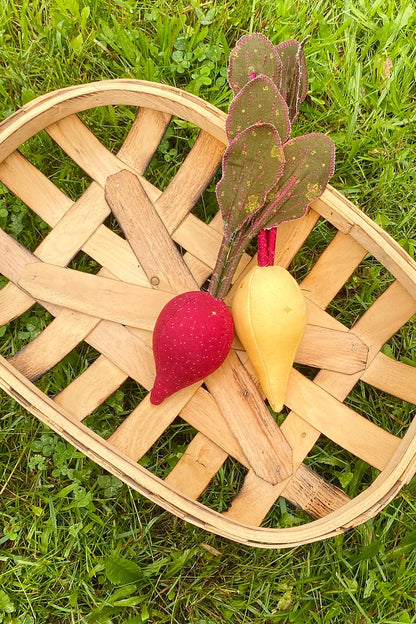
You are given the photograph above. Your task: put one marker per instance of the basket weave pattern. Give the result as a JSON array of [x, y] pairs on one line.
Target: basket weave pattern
[[115, 311]]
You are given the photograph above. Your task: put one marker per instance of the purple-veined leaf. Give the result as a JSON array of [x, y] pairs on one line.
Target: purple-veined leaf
[[294, 83], [259, 101], [252, 165], [309, 164], [252, 56]]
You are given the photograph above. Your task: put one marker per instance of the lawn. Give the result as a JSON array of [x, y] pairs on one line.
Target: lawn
[[77, 545]]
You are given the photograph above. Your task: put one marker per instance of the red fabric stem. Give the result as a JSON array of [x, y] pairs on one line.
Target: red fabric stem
[[271, 244], [266, 243], [262, 255]]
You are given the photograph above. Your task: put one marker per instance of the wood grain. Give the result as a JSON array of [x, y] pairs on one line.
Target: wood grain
[[317, 406]]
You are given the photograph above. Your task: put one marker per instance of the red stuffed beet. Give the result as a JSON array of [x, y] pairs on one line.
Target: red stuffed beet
[[191, 339]]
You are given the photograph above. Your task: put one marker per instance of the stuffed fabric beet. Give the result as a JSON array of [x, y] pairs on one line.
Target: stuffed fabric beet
[[191, 339]]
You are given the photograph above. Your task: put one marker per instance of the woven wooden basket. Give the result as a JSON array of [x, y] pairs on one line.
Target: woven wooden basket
[[114, 312]]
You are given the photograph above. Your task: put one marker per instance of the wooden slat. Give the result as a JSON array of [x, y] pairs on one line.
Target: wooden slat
[[104, 246], [33, 188], [128, 304], [84, 148], [50, 346], [190, 181], [305, 489], [386, 315], [249, 419], [197, 467], [13, 260], [254, 500], [291, 235], [125, 349], [332, 269], [349, 219], [71, 325], [264, 444], [332, 349], [143, 138], [325, 414], [339, 422], [150, 421], [114, 254], [13, 257], [393, 377], [75, 228], [13, 303], [86, 392], [302, 435], [130, 203], [381, 321], [202, 242]]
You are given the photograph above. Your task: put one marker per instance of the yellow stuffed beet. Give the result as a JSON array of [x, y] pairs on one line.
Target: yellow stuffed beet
[[269, 315]]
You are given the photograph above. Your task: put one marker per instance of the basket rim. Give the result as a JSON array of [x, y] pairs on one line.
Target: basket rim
[[333, 205], [32, 117], [397, 473]]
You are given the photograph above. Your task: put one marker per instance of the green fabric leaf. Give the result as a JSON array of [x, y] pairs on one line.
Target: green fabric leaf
[[309, 164], [252, 56], [294, 83], [252, 165], [259, 101]]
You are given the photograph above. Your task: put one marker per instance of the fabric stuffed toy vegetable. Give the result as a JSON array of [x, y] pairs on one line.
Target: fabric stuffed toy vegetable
[[267, 178]]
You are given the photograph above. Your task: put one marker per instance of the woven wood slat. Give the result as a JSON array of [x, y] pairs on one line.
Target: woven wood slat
[[150, 424], [193, 235], [393, 377], [143, 138], [197, 467], [150, 241], [13, 303], [128, 346], [338, 422], [95, 295], [252, 419], [323, 283], [350, 220], [90, 389], [203, 414], [291, 235], [49, 347], [193, 177], [38, 192], [332, 349], [302, 435]]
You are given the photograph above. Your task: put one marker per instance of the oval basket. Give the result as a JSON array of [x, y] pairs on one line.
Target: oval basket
[[321, 441]]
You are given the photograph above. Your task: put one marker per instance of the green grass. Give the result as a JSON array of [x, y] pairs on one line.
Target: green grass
[[77, 545]]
